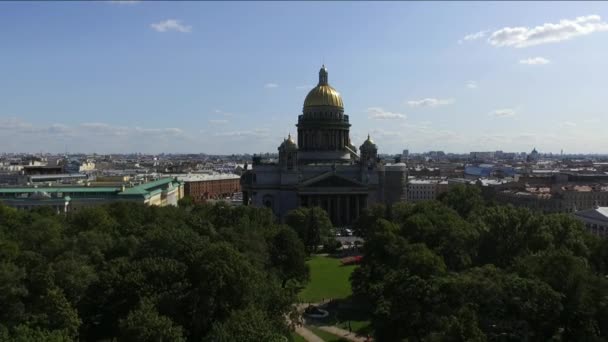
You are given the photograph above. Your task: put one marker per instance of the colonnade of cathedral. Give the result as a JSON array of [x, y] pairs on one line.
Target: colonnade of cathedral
[[342, 209], [327, 139]]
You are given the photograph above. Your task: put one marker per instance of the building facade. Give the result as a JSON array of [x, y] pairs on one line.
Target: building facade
[[323, 168], [162, 192], [425, 189], [203, 187], [595, 220]]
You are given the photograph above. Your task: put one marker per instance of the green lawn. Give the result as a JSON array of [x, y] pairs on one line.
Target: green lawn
[[297, 338], [359, 327], [327, 337], [328, 279]]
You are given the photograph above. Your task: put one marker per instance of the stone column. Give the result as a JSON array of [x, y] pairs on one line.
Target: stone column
[[333, 139], [348, 220], [335, 200], [357, 207], [339, 207], [329, 207]]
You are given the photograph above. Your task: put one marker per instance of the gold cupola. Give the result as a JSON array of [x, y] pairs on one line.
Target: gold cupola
[[323, 94], [368, 144]]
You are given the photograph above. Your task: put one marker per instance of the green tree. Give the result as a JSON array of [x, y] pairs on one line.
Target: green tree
[[247, 325], [312, 226], [223, 281], [145, 324], [25, 333], [12, 293], [442, 230], [465, 199], [583, 294], [508, 232], [288, 256], [368, 218], [54, 312], [463, 326], [599, 255], [185, 202]]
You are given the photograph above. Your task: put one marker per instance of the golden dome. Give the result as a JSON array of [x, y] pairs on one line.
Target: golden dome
[[288, 143], [368, 144], [323, 94]]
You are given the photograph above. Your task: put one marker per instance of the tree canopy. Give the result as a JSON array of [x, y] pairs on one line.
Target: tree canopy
[[312, 225], [457, 269], [129, 272]]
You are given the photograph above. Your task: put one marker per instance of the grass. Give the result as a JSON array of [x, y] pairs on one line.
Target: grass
[[325, 336], [297, 338], [328, 279], [362, 328]]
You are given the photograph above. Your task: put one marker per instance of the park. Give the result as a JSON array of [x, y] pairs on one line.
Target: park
[[329, 288]]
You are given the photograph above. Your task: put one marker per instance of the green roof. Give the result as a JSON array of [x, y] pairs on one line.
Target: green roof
[[139, 190], [55, 190], [146, 188]]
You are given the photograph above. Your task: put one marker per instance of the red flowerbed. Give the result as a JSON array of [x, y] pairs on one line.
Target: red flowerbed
[[352, 260]]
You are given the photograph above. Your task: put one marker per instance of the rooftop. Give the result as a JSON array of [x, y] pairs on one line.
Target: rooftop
[[597, 213], [142, 189], [197, 177], [78, 189]]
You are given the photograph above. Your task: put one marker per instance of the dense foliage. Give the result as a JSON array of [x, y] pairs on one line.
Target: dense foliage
[[458, 270], [129, 272], [313, 227]]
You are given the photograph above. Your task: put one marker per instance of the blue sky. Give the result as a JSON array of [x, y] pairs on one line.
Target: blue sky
[[231, 77]]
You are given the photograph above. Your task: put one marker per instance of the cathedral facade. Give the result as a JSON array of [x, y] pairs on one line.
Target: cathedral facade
[[324, 168]]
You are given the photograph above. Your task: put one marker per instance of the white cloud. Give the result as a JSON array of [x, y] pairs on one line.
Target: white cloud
[[429, 102], [173, 131], [270, 85], [503, 113], [255, 133], [95, 125], [101, 128], [535, 61], [473, 36], [13, 124], [472, 85], [218, 111], [566, 29], [218, 121], [568, 124], [159, 131], [171, 25], [378, 113], [58, 128]]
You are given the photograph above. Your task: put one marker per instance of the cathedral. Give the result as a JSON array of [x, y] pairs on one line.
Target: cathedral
[[324, 168]]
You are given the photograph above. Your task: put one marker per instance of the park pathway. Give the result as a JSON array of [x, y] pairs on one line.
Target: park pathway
[[345, 334], [311, 337], [307, 334]]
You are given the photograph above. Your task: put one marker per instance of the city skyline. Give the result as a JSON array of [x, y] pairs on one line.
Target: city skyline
[[221, 78]]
